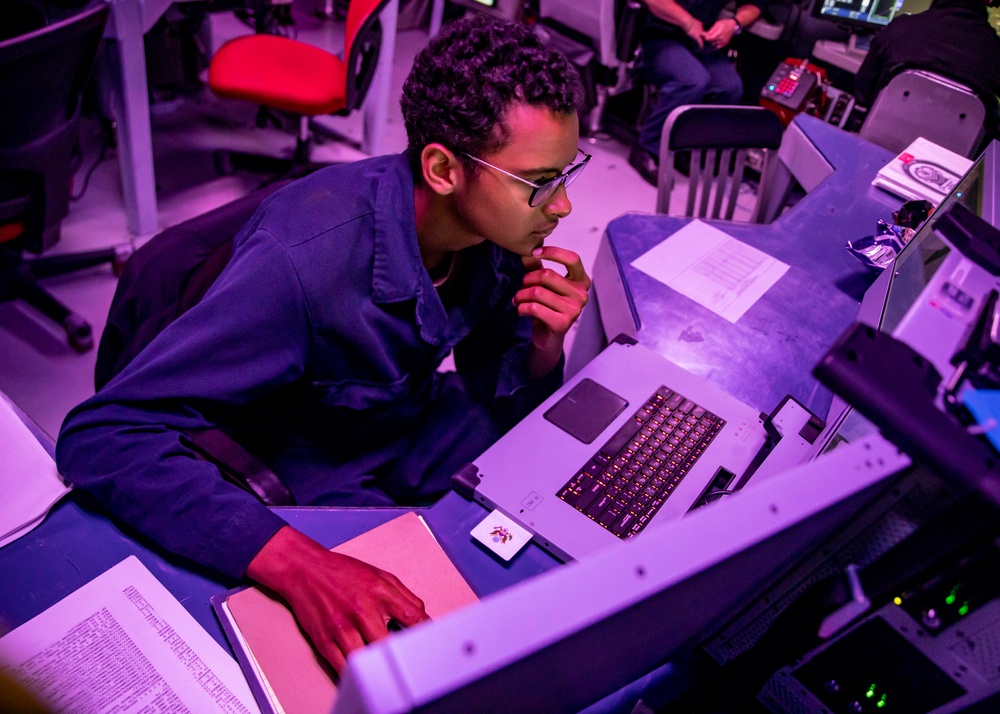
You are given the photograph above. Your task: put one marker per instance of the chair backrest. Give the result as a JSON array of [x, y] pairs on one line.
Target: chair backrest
[[611, 28], [362, 46], [716, 139], [167, 276], [162, 280], [919, 103], [42, 77], [610, 25], [593, 20]]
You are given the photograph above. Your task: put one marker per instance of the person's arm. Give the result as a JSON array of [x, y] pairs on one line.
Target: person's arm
[[126, 445], [501, 358], [250, 335], [722, 31], [341, 603], [672, 12]]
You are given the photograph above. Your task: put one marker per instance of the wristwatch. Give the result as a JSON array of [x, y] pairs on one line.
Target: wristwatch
[[739, 27]]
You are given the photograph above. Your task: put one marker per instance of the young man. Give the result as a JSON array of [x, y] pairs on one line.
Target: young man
[[318, 345]]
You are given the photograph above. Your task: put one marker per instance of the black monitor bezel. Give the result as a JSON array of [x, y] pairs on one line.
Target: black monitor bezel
[[856, 26]]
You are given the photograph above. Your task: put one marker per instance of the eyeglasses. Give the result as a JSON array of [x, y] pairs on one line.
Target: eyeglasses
[[542, 190]]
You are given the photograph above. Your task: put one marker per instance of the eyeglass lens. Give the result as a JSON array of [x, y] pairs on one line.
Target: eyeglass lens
[[544, 192]]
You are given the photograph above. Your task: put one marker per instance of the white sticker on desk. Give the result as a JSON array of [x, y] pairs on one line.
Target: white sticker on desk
[[501, 535]]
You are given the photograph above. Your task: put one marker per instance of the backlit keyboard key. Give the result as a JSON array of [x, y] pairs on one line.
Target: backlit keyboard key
[[631, 476]]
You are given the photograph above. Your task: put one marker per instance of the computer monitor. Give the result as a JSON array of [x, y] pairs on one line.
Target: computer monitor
[[866, 16], [589, 629]]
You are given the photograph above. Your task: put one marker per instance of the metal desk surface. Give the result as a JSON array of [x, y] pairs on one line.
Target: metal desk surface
[[771, 350], [76, 542]]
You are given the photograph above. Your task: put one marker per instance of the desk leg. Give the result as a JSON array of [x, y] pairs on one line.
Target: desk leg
[[376, 109], [131, 113], [437, 17]]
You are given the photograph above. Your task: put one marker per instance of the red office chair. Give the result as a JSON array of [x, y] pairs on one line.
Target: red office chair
[[288, 75]]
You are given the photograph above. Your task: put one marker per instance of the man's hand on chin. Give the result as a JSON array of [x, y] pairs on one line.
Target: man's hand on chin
[[553, 300]]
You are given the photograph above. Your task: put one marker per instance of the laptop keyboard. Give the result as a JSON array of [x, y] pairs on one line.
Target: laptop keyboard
[[629, 479]]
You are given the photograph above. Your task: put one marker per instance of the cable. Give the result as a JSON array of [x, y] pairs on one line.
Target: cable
[[102, 154], [720, 492]]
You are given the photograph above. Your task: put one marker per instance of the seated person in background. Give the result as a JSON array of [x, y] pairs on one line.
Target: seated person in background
[[683, 55], [952, 38], [318, 345]]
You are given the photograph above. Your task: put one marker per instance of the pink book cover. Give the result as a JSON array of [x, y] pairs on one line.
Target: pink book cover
[[295, 679]]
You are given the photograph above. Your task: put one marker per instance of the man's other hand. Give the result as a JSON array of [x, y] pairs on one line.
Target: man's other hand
[[721, 33], [341, 603], [696, 32]]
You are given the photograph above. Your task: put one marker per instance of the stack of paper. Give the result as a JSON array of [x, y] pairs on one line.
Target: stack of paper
[[923, 170], [28, 477]]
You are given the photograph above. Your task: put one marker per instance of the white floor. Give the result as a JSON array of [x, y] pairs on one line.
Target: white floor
[[46, 378]]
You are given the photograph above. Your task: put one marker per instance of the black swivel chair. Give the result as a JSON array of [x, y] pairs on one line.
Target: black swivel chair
[[42, 78], [161, 281]]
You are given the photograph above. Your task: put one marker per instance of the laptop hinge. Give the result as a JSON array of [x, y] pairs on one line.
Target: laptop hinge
[[623, 339], [466, 480]]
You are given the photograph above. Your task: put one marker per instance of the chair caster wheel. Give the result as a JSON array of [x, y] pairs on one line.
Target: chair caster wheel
[[79, 333], [122, 254]]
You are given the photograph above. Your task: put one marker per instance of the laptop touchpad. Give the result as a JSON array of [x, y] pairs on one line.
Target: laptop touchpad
[[586, 410]]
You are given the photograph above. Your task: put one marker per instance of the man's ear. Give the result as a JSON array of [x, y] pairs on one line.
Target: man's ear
[[441, 169]]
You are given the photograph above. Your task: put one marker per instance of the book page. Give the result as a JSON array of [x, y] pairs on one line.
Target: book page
[[712, 268], [28, 477], [123, 643], [289, 667]]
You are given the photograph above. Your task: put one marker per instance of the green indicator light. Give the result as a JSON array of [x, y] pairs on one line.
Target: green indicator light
[[871, 692], [881, 702], [964, 610], [950, 600]]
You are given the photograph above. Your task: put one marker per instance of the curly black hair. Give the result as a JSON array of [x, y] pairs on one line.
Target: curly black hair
[[462, 84]]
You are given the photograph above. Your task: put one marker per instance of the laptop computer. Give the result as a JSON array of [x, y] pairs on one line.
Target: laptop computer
[[629, 441]]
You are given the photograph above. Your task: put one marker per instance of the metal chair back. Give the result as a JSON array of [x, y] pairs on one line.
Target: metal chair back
[[717, 139]]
